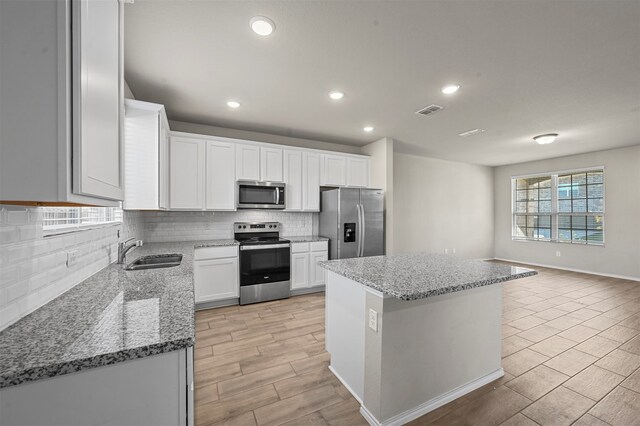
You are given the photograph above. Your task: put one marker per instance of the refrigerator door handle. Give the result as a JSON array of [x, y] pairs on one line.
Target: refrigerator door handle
[[358, 231], [362, 231]]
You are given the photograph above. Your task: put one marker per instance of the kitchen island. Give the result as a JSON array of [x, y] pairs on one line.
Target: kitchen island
[[409, 333]]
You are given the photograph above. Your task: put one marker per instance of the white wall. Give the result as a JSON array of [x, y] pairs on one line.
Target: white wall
[[33, 268], [190, 226], [621, 254], [381, 153], [442, 204], [203, 129]]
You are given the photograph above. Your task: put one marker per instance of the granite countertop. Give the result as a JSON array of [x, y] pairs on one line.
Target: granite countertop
[[306, 239], [216, 243], [112, 316], [422, 275]]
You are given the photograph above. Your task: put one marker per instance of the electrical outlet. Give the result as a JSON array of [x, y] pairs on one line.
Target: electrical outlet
[[373, 320], [72, 258], [446, 251], [558, 254], [453, 250]]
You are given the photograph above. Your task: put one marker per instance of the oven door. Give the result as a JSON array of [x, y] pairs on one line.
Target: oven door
[[260, 264], [260, 195]]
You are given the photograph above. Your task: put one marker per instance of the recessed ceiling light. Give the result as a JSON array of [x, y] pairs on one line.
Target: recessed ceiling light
[[336, 95], [546, 138], [367, 129], [262, 25], [450, 88], [233, 104]]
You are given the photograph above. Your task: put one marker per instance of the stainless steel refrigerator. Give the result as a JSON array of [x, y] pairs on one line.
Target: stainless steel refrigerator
[[353, 220]]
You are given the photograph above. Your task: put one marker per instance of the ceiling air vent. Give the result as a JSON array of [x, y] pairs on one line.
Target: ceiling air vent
[[429, 109]]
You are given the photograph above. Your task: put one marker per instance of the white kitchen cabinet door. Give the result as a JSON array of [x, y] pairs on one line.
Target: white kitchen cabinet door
[[293, 178], [248, 162], [299, 270], [317, 274], [221, 183], [215, 279], [271, 164], [334, 170], [358, 172], [97, 99], [187, 174], [146, 156], [163, 177], [311, 181]]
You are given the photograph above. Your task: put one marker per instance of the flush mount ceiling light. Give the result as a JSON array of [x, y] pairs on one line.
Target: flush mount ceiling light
[[450, 88], [546, 138], [262, 25], [233, 104], [367, 129], [336, 95]]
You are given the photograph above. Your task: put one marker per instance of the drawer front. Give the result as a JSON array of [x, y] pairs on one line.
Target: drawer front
[[319, 246], [203, 253], [299, 247]]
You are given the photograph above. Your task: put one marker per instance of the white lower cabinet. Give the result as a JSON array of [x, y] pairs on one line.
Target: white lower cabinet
[[215, 273], [305, 272], [317, 275], [299, 270]]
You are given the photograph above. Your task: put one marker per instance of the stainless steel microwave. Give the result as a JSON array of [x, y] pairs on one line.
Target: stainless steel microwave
[[260, 195]]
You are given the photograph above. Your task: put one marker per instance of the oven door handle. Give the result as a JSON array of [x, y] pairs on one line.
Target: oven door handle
[[264, 246]]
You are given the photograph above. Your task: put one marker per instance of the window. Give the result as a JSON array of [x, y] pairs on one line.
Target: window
[[64, 219], [564, 207]]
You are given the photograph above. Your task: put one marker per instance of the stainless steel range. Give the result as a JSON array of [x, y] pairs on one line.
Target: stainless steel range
[[265, 262]]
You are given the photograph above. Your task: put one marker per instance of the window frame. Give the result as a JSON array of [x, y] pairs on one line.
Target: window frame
[[50, 230], [555, 213]]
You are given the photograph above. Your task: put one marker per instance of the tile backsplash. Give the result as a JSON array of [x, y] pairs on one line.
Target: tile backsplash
[[189, 226], [33, 268]]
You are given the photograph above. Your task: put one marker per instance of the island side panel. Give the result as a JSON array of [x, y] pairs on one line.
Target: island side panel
[[345, 325], [437, 349]]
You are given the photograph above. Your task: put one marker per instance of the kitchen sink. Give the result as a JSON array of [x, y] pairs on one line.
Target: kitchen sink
[[155, 261]]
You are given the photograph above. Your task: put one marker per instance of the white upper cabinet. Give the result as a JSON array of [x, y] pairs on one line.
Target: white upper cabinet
[[187, 173], [248, 162], [344, 170], [97, 98], [220, 171], [358, 171], [62, 103], [334, 170], [293, 178], [311, 181], [146, 156], [270, 164]]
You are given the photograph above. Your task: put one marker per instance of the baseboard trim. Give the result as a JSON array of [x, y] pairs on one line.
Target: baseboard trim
[[582, 271], [346, 385], [217, 303], [310, 290], [432, 404]]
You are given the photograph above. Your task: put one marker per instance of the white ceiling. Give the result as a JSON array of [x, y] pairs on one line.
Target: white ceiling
[[525, 68]]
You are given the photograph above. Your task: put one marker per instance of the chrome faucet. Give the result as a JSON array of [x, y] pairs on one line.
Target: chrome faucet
[[123, 248]]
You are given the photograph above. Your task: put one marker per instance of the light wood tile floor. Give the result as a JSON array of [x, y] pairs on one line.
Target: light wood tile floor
[[571, 354]]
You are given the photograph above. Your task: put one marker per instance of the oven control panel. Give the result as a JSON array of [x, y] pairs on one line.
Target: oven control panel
[[256, 227]]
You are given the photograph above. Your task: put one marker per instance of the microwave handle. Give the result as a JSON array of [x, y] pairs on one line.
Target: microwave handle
[[277, 196]]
